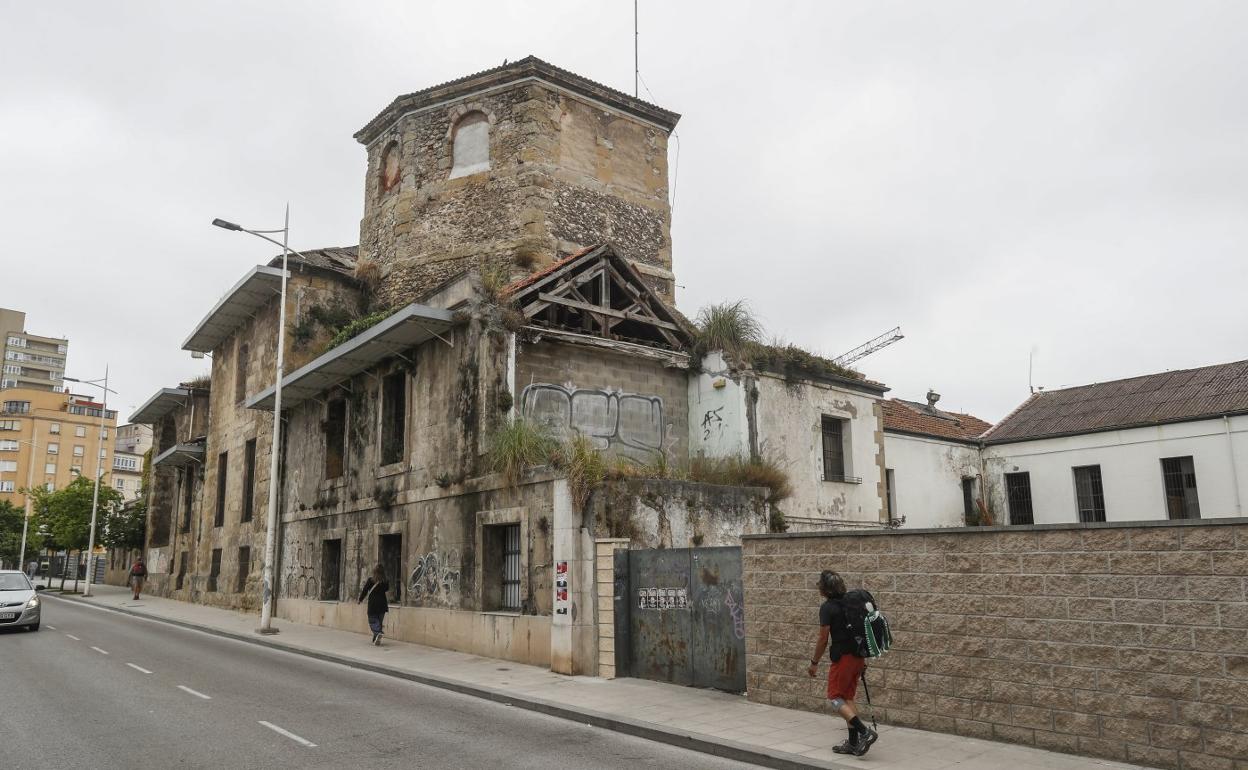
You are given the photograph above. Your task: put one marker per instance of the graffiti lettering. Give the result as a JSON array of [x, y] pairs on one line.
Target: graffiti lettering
[[712, 420], [628, 423], [738, 615], [434, 577]]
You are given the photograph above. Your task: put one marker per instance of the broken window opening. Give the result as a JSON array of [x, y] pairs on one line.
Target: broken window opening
[[1089, 493], [388, 178], [240, 371], [222, 466], [969, 512], [215, 572], [249, 480], [335, 438], [470, 148], [390, 556], [1179, 478], [181, 571], [188, 497], [890, 493], [393, 417], [502, 568], [244, 568], [331, 570]]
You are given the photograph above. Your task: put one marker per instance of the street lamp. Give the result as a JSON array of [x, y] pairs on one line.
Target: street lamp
[[266, 599], [99, 469]]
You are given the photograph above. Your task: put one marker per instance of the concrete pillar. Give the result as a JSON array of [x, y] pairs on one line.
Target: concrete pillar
[[604, 562], [572, 625]]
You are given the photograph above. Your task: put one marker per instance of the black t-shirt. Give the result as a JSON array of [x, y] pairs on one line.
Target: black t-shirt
[[832, 615]]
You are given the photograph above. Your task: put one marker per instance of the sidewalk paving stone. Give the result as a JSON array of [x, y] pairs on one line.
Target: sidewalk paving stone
[[704, 720]]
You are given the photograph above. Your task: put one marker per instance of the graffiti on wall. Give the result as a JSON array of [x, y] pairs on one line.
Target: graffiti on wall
[[736, 608], [629, 423], [712, 422], [435, 577], [157, 560], [299, 572]]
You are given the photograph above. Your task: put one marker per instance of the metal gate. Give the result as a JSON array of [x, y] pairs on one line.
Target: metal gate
[[679, 616]]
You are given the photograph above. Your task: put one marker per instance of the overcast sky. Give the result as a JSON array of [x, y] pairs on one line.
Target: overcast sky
[[997, 178]]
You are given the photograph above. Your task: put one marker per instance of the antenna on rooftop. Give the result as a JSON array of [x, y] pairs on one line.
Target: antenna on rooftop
[[869, 347], [636, 65]]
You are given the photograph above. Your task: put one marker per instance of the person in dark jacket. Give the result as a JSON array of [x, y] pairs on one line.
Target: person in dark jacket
[[846, 667], [374, 591], [138, 573]]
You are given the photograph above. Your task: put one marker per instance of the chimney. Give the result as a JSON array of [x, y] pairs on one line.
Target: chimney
[[932, 398]]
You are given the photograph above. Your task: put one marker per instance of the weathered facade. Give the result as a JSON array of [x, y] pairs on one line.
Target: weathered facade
[[522, 164]]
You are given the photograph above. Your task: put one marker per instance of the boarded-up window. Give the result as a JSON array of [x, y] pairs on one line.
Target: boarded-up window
[[470, 148], [388, 179], [393, 417], [331, 569], [244, 568], [215, 572], [335, 438], [188, 496]]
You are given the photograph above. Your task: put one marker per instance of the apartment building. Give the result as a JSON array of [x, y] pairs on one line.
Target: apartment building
[[129, 450], [30, 360], [47, 439]]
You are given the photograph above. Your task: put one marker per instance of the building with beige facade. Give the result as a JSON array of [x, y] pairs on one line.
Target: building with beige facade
[[30, 360], [48, 439]]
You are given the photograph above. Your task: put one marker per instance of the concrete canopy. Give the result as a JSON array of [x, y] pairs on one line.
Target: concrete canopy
[[180, 456], [403, 330], [240, 303], [159, 405]]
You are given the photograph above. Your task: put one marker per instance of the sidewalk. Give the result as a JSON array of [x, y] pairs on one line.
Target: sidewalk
[[703, 720]]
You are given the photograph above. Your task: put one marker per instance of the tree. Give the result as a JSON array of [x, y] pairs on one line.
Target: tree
[[125, 526], [11, 532], [63, 516]]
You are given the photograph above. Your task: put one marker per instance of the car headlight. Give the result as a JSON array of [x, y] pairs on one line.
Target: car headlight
[[33, 603]]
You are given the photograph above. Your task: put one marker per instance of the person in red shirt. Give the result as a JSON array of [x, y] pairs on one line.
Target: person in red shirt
[[846, 667], [138, 573]]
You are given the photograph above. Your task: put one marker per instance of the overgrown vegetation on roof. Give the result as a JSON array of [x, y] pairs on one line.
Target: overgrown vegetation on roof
[[200, 382], [357, 326], [732, 327]]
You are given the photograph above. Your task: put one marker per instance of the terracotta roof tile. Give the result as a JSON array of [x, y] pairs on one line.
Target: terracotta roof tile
[[912, 417]]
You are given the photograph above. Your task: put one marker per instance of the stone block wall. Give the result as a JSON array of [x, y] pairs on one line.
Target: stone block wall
[[1122, 641], [604, 582]]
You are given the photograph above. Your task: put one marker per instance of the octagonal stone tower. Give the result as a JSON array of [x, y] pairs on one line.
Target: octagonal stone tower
[[525, 162]]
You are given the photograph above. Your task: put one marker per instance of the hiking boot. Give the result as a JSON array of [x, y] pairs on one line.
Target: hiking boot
[[865, 739], [845, 748]]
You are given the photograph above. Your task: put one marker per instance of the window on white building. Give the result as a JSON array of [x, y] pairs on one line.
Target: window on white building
[[1178, 474], [470, 149], [10, 424], [1089, 493], [7, 445], [79, 450], [8, 465], [835, 432], [53, 448], [80, 431], [54, 428], [121, 483], [1018, 497], [49, 469]]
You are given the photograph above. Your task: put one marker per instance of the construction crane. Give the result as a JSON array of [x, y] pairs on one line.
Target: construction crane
[[869, 347]]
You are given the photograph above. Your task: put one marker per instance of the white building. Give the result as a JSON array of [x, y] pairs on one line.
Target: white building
[[1162, 446], [824, 430], [130, 448], [933, 464]]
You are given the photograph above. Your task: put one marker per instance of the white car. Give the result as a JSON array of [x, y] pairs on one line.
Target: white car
[[19, 600]]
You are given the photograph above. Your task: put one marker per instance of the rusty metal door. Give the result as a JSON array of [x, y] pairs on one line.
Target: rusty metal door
[[681, 618]]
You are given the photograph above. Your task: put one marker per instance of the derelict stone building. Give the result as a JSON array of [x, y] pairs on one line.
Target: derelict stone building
[[514, 261]]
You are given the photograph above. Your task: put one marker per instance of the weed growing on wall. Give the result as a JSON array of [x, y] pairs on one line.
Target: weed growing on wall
[[518, 446], [357, 326]]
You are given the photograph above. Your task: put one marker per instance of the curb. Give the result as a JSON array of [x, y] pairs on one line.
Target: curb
[[725, 749]]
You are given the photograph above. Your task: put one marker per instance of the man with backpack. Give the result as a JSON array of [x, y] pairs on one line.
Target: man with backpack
[[841, 634], [138, 573]]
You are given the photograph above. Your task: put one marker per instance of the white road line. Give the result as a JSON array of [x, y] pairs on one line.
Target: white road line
[[71, 636], [51, 628], [138, 668], [197, 694], [288, 734], [102, 652]]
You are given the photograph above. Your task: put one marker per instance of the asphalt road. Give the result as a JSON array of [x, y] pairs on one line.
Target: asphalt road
[[97, 689]]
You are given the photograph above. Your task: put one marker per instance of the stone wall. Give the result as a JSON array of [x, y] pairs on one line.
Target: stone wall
[[666, 513], [563, 174], [1122, 641]]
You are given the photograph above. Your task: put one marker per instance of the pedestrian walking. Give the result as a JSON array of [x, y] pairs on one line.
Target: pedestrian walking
[[837, 637], [374, 592], [138, 573]]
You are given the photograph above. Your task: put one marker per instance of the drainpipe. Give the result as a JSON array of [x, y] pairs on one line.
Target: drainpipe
[[1230, 448]]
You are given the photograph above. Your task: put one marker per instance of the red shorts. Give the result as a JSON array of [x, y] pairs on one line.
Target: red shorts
[[843, 677]]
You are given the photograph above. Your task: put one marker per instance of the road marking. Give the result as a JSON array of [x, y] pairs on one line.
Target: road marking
[[71, 636], [138, 668], [102, 652], [51, 628], [288, 734], [194, 692]]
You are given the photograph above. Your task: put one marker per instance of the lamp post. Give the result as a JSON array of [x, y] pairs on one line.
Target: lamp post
[[270, 545], [99, 470], [30, 479]]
